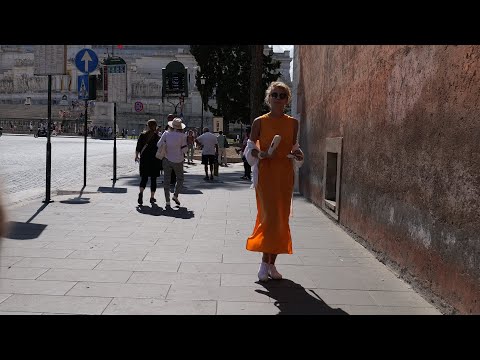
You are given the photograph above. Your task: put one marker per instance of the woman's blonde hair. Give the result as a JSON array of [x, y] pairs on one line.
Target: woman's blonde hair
[[279, 84]]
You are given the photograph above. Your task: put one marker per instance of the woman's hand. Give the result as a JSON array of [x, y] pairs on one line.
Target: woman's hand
[[263, 155], [298, 154], [260, 154]]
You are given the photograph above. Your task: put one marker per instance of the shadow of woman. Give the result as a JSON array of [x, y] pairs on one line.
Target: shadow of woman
[[293, 299]]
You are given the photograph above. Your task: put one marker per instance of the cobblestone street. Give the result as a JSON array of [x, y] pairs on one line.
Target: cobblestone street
[[23, 164]]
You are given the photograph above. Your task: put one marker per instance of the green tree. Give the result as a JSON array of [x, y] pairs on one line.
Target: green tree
[[256, 71], [227, 72]]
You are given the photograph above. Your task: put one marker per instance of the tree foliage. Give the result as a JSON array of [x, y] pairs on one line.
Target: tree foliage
[[227, 78]]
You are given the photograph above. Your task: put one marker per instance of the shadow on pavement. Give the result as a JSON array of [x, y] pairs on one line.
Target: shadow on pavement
[[112, 190], [27, 230], [23, 231], [293, 299], [78, 200], [187, 191], [195, 182], [176, 212]]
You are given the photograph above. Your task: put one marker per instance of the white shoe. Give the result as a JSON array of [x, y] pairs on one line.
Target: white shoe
[[263, 272], [274, 274]]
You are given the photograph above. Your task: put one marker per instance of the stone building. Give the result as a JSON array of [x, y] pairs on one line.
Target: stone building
[[143, 80], [390, 135]]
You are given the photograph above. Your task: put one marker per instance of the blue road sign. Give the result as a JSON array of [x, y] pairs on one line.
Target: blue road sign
[[82, 87], [86, 60]]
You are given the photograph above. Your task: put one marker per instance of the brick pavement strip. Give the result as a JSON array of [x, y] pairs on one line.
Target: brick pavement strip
[[107, 256]]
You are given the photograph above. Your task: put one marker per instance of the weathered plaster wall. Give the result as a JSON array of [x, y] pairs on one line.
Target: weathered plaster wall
[[410, 182]]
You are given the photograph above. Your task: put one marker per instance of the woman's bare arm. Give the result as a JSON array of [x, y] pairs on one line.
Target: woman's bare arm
[[297, 153], [295, 132]]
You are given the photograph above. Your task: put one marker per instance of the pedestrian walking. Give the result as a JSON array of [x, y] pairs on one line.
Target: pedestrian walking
[[247, 169], [190, 146], [176, 146], [209, 144], [173, 177], [273, 178], [149, 164]]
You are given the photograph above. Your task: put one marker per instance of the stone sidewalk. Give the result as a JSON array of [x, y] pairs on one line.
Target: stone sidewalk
[[96, 252]]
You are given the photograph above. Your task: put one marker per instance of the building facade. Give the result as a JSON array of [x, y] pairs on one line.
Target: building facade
[[144, 64], [390, 135]]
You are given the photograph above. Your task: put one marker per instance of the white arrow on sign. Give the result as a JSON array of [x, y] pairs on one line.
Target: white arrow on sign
[[86, 57]]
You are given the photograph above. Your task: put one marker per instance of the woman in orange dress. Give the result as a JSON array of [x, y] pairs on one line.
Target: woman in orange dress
[[274, 184]]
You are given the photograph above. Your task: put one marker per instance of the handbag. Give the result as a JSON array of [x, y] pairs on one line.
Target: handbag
[[162, 150]]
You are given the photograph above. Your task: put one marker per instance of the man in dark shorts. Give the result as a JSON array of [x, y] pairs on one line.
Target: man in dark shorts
[[209, 144]]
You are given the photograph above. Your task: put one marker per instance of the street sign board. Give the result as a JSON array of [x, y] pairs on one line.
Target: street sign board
[[114, 79], [82, 87], [175, 83], [138, 106], [217, 124], [174, 79], [50, 60], [86, 60]]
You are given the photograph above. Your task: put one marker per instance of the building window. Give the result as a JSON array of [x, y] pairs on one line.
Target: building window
[[331, 176]]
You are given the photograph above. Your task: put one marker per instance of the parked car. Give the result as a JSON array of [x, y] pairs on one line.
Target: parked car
[[43, 133]]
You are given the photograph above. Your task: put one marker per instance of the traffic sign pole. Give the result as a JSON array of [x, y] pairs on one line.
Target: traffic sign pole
[[48, 181], [85, 147], [86, 61], [114, 143]]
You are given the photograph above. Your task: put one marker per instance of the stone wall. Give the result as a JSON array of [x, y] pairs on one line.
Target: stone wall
[[409, 117]]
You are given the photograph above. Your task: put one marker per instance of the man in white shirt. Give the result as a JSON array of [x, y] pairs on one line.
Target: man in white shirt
[[176, 145], [209, 144]]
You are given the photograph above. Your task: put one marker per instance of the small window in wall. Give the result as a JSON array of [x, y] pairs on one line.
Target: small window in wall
[[331, 180], [331, 176]]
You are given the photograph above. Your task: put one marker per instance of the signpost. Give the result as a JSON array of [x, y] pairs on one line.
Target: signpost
[[49, 60], [82, 87], [86, 61], [217, 124], [138, 106], [174, 79], [115, 89]]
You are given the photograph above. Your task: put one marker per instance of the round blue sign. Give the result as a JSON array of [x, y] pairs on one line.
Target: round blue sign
[[86, 60]]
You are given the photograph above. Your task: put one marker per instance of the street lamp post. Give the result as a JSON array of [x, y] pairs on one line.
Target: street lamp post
[[202, 81]]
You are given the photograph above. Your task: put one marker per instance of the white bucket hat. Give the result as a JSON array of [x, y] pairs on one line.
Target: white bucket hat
[[177, 124]]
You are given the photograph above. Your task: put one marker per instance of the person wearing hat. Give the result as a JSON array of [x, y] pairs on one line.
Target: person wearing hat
[[176, 145], [173, 177]]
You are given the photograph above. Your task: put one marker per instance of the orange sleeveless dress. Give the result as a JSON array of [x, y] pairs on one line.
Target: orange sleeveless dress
[[274, 189]]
